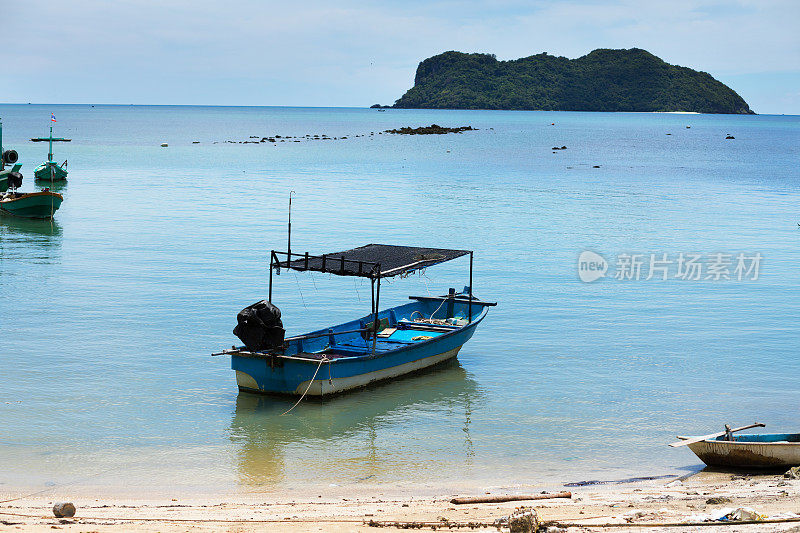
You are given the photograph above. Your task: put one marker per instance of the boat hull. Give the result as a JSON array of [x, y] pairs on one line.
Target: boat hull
[[50, 172], [311, 372], [768, 452], [336, 385], [33, 205]]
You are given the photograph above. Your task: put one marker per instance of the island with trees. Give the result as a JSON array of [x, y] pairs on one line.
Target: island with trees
[[603, 80]]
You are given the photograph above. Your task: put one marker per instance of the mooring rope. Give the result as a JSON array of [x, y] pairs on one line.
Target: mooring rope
[[324, 359], [437, 309]]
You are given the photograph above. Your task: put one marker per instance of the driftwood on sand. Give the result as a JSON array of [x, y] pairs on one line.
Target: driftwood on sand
[[500, 499]]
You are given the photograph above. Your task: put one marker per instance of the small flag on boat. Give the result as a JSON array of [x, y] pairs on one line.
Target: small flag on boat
[[52, 117]]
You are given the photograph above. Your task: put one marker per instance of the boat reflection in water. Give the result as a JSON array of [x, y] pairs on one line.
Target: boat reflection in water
[[56, 186], [28, 240], [365, 437]]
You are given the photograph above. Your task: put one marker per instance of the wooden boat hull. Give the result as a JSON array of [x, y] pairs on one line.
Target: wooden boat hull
[[50, 172], [41, 204], [310, 368], [768, 451]]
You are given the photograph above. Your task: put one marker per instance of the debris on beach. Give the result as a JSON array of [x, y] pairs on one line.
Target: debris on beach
[[64, 510], [433, 129], [729, 514], [522, 520]]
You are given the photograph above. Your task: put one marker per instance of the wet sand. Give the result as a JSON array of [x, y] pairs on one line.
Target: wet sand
[[657, 504]]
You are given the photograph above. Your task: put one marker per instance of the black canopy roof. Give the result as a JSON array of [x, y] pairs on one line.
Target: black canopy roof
[[369, 261]]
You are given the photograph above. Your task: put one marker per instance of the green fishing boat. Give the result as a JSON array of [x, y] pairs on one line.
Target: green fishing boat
[[42, 204], [50, 170]]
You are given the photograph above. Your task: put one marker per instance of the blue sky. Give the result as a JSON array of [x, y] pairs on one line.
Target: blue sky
[[346, 53]]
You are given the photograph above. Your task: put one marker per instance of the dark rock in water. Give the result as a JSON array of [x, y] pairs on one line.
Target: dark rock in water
[[595, 166], [433, 129], [563, 147], [730, 137], [195, 142], [64, 510]]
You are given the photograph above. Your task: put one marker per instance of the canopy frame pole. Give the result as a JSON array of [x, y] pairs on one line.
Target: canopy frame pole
[[375, 320], [470, 287], [372, 301], [271, 263]]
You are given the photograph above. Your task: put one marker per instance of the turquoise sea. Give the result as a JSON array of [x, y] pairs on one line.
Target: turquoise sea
[[111, 312]]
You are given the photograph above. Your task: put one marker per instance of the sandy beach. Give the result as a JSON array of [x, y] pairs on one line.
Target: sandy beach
[[655, 505]]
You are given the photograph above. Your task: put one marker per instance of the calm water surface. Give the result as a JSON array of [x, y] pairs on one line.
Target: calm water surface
[[110, 312]]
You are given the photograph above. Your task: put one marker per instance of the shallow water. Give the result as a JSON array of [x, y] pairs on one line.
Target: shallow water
[[112, 310]]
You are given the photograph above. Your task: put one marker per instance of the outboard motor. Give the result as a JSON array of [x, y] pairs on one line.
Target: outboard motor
[[259, 326], [14, 180], [10, 157]]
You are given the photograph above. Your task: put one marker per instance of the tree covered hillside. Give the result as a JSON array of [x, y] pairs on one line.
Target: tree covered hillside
[[603, 80]]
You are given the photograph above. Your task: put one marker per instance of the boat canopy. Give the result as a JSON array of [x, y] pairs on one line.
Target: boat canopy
[[370, 261]]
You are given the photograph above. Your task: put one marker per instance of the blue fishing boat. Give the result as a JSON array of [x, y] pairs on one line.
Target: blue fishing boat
[[382, 345]]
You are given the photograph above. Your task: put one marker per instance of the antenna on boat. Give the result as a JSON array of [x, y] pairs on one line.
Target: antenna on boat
[[289, 242]]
